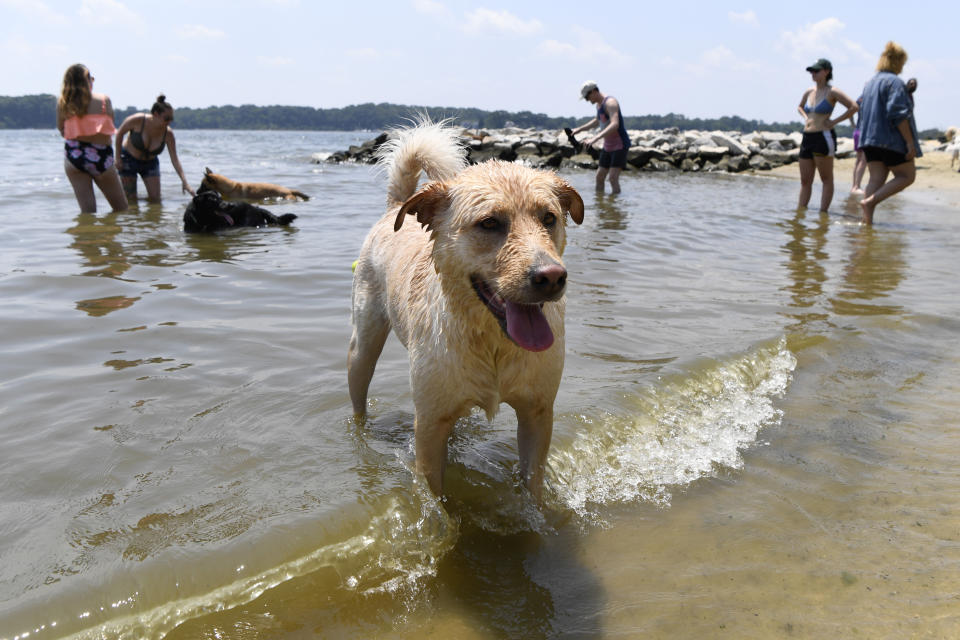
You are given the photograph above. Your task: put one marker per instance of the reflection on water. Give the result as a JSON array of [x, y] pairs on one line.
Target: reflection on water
[[873, 269], [228, 246], [103, 306], [609, 214], [806, 253], [95, 239], [110, 244], [873, 265]]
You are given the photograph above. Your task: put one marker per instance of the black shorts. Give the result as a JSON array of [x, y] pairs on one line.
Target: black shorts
[[818, 143], [888, 157], [616, 158]]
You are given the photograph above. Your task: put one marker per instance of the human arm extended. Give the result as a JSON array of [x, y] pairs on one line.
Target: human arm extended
[[125, 126], [803, 112], [175, 161], [589, 125]]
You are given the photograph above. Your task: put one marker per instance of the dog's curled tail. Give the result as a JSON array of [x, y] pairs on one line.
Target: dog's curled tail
[[431, 147], [286, 219]]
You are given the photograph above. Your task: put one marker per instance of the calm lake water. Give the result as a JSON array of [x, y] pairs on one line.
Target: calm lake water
[[756, 435]]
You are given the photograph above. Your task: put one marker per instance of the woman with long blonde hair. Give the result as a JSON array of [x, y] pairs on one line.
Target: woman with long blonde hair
[[85, 120], [888, 133]]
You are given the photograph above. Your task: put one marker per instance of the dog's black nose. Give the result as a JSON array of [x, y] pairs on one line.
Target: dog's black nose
[[548, 280]]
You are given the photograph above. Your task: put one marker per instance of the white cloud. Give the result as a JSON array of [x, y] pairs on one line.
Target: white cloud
[[199, 32], [429, 7], [747, 17], [814, 37], [556, 48], [823, 39], [35, 10], [590, 46], [501, 22], [720, 60], [720, 57], [108, 13]]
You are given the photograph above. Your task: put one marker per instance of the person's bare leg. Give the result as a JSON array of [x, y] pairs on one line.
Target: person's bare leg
[[110, 185], [824, 166], [807, 171], [82, 185], [904, 175], [615, 179], [129, 188], [601, 176], [878, 175], [859, 168], [153, 188]]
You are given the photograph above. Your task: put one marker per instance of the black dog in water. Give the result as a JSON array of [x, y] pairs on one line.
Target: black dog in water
[[208, 212]]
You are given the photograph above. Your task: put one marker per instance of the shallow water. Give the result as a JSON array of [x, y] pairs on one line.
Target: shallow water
[[755, 436]]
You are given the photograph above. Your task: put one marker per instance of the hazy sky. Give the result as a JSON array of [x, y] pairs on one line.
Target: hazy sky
[[701, 59]]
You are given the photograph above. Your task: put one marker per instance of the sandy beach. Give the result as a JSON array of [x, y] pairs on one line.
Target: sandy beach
[[935, 178]]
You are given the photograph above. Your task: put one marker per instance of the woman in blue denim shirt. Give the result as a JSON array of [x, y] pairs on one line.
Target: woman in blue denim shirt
[[888, 133]]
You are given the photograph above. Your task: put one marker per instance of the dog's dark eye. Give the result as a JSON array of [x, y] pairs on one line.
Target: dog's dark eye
[[549, 219], [490, 224]]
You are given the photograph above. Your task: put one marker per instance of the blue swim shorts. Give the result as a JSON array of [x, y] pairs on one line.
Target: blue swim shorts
[[132, 167]]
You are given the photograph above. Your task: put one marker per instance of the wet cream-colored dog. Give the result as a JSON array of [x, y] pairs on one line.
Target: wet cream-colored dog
[[475, 292]]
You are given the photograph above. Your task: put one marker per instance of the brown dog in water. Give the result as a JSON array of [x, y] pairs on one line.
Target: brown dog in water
[[233, 190], [476, 295]]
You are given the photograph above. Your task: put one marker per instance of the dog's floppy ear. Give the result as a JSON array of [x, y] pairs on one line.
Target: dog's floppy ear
[[570, 199], [426, 202]]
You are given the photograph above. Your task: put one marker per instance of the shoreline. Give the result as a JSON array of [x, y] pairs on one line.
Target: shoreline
[[760, 153]]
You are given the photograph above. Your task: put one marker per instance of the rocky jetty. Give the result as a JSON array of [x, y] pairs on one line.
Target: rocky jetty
[[651, 150]]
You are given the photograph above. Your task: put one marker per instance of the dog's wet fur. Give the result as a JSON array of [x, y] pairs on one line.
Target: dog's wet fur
[[207, 211], [233, 190], [476, 295]]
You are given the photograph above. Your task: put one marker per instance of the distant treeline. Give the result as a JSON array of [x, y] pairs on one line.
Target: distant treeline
[[39, 112]]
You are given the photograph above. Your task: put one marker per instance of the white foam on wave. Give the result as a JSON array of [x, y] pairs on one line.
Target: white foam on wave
[[397, 551], [684, 428]]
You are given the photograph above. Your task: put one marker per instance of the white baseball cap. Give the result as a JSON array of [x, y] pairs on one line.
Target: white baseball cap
[[587, 87]]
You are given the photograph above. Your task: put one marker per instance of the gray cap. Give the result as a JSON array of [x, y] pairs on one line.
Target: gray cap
[[587, 87]]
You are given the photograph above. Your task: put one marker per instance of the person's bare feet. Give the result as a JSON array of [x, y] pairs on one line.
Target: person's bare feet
[[867, 205], [856, 191]]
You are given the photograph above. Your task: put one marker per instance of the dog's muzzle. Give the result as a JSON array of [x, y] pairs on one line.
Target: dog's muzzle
[[522, 323]]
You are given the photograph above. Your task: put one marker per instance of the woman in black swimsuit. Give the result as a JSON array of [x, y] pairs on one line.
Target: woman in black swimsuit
[[138, 153]]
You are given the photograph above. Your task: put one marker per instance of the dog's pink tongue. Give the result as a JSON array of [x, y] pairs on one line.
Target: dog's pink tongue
[[528, 327]]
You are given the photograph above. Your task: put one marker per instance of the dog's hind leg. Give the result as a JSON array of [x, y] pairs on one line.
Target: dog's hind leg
[[370, 330]]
